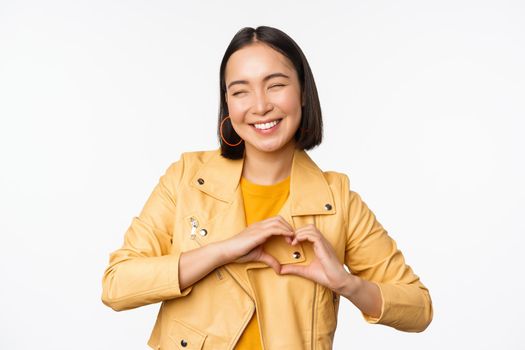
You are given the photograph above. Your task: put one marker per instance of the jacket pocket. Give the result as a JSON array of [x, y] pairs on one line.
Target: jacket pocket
[[185, 337]]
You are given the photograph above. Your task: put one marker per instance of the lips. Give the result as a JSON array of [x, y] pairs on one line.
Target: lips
[[266, 124]]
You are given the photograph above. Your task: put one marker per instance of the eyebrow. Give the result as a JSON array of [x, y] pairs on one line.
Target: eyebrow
[[266, 78]]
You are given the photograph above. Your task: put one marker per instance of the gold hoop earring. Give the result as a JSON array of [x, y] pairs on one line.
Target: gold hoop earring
[[222, 136]]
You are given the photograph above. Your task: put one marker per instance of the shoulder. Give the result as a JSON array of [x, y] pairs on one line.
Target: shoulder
[[191, 159], [337, 179], [198, 157], [351, 201], [188, 163], [339, 183], [340, 186]]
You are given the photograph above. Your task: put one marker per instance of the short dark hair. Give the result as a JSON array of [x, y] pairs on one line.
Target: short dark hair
[[310, 132]]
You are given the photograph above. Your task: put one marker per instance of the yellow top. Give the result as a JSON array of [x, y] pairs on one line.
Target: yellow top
[[260, 202]]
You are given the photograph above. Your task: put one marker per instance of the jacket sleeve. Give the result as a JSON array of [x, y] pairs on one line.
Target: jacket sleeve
[[373, 255], [145, 269]]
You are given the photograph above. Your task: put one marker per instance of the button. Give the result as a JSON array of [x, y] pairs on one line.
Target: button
[[296, 255], [328, 206], [200, 180], [203, 232], [184, 343]]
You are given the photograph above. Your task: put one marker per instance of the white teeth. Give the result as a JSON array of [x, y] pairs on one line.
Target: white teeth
[[266, 125]]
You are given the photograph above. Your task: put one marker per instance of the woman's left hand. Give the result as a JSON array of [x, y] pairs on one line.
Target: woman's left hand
[[325, 269]]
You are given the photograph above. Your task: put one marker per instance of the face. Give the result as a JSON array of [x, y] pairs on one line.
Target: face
[[263, 94]]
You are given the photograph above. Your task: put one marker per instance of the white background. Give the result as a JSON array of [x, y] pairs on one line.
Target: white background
[[423, 107]]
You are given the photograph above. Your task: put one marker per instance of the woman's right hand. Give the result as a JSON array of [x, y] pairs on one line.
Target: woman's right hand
[[247, 245]]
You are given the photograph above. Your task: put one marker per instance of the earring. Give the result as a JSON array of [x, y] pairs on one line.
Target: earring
[[222, 136]]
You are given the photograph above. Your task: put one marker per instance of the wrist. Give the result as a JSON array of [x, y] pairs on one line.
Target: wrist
[[350, 285], [222, 253]]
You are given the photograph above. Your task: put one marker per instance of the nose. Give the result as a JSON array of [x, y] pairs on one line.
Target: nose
[[262, 104]]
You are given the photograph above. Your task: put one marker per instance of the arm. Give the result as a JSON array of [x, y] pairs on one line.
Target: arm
[[146, 269], [197, 263], [372, 255], [365, 295]]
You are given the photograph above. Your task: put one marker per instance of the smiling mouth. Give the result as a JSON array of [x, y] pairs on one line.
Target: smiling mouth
[[266, 126]]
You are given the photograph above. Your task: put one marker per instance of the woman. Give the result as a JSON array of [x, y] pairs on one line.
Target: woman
[[245, 245]]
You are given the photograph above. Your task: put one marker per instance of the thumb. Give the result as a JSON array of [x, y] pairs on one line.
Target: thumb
[[270, 261], [293, 269]]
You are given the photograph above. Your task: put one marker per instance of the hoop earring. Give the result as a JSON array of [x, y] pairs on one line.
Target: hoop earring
[[222, 136]]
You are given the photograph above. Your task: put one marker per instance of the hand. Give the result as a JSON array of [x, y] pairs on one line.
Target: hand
[[325, 269], [247, 245]]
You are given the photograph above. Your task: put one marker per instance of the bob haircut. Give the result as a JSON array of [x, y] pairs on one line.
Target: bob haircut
[[310, 131]]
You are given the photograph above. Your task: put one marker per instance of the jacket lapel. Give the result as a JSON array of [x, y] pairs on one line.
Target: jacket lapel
[[309, 195]]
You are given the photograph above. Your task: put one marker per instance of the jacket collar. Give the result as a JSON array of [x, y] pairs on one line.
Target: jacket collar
[[310, 193]]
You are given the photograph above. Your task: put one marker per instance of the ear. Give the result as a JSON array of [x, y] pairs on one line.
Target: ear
[[302, 99]]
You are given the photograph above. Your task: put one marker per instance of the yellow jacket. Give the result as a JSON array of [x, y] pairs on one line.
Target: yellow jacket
[[198, 201]]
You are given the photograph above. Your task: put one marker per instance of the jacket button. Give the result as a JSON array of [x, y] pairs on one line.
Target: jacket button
[[328, 206], [203, 232], [184, 343], [200, 180], [296, 255]]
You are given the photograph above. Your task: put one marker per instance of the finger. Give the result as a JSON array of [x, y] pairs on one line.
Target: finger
[[270, 261], [306, 235], [322, 248], [286, 234], [281, 220], [273, 222], [275, 231], [300, 270], [278, 223], [308, 227], [261, 234]]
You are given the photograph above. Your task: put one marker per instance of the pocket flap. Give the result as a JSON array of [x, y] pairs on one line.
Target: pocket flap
[[185, 336]]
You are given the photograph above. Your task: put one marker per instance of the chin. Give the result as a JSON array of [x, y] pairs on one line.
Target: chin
[[271, 148], [266, 148]]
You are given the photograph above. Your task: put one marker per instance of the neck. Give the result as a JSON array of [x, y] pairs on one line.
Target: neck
[[268, 168]]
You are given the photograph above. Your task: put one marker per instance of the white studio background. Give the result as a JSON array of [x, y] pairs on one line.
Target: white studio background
[[423, 107]]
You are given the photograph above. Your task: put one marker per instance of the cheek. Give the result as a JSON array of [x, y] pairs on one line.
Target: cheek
[[237, 109], [289, 102]]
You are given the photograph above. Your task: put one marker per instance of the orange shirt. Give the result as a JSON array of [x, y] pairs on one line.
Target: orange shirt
[[260, 202]]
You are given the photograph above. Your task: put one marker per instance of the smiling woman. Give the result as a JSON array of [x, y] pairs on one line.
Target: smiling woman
[[265, 73], [245, 245], [263, 98]]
